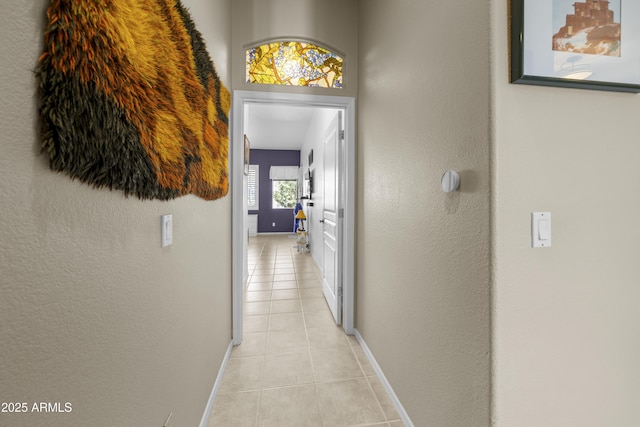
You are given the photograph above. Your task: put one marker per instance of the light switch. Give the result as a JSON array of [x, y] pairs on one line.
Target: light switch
[[167, 230], [543, 229], [540, 229]]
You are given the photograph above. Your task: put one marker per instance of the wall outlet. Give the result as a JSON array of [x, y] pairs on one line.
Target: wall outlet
[[273, 224]]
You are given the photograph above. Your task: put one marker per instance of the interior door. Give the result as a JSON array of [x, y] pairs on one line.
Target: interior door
[[331, 219]]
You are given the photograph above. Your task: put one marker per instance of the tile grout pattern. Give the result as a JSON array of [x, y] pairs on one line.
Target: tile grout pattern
[[295, 367]]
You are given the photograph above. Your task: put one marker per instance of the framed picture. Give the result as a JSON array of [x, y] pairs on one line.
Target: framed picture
[[590, 44], [247, 153], [307, 185]]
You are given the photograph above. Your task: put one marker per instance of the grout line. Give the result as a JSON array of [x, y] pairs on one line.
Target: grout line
[[384, 414], [257, 422]]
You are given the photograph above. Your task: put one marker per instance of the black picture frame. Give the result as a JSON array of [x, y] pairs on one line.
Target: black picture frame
[[540, 57], [307, 185]]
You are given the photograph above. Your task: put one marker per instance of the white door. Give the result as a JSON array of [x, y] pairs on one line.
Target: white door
[[332, 223]]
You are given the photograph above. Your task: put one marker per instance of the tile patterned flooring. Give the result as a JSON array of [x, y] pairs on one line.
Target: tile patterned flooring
[[295, 367]]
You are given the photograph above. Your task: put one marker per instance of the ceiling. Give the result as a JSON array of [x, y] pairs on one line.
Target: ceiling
[[277, 126]]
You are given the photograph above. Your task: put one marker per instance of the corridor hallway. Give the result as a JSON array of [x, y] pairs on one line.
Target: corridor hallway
[[295, 367]]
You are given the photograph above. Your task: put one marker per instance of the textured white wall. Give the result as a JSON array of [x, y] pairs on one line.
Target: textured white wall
[[566, 318], [92, 310], [330, 22], [423, 255]]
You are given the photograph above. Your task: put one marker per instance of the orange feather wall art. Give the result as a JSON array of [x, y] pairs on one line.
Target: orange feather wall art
[[131, 101]]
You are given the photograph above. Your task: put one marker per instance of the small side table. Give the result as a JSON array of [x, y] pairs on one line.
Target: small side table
[[302, 241]]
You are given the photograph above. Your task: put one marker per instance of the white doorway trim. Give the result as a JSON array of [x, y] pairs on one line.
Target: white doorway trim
[[238, 246]]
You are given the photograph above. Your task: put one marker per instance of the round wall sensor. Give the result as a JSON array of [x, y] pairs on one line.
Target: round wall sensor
[[450, 181]]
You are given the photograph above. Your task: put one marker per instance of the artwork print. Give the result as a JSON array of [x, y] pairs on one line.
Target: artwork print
[[591, 27], [589, 44]]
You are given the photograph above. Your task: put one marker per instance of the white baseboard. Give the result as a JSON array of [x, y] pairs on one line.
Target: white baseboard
[[216, 386], [276, 233], [392, 395]]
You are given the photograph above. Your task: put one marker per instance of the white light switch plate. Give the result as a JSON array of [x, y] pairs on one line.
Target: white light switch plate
[[167, 230], [540, 229]]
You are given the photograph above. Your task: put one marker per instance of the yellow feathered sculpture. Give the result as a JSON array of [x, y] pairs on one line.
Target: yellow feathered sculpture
[[130, 100]]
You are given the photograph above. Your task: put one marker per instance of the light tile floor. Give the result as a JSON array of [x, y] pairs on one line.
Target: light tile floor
[[295, 367]]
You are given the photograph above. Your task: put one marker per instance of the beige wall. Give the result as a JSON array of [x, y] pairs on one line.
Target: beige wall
[[567, 323], [332, 23], [92, 310], [423, 255]]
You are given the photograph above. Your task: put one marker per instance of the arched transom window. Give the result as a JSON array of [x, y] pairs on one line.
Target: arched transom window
[[294, 63]]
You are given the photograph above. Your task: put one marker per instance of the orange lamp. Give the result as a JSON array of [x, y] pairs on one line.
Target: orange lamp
[[301, 216]]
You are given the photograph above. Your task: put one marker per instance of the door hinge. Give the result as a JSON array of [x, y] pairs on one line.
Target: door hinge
[[341, 134], [340, 292], [340, 213]]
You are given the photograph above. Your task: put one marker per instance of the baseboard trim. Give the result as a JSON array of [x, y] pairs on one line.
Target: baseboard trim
[[216, 386], [392, 395]]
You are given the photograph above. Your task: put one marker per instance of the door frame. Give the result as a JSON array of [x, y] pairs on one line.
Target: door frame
[[238, 241]]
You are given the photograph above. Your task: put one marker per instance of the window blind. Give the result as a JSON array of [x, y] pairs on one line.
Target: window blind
[[252, 188], [283, 173]]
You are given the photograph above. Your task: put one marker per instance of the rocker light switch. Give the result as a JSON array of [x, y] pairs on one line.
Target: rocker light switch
[[543, 229], [540, 229], [167, 230]]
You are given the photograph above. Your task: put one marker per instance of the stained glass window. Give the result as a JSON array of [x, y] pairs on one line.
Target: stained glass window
[[294, 64]]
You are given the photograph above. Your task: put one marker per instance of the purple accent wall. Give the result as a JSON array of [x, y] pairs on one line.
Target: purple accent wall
[[266, 215]]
